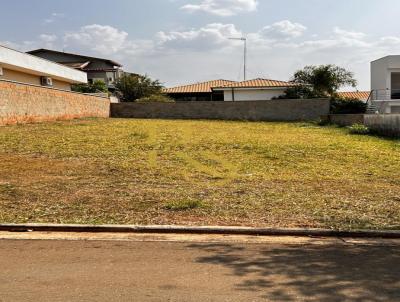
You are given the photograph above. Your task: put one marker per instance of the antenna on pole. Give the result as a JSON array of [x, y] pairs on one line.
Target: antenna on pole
[[245, 55]]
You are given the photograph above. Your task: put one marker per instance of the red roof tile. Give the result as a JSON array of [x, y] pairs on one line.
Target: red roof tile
[[203, 87], [361, 95], [258, 83]]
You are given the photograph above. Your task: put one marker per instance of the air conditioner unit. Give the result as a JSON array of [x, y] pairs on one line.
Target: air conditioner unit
[[46, 81]]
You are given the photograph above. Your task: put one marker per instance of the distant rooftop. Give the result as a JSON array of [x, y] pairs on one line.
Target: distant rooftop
[[83, 58], [258, 83], [203, 87], [361, 95], [207, 87]]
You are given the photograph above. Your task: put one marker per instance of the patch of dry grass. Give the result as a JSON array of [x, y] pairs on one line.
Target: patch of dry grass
[[164, 172]]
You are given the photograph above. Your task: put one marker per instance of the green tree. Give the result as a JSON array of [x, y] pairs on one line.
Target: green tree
[[133, 87], [320, 81], [95, 87]]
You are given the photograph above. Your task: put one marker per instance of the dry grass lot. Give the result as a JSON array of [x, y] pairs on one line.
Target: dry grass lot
[[198, 173]]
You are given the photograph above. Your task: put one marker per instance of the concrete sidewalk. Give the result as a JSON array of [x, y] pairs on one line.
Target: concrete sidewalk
[[126, 267]]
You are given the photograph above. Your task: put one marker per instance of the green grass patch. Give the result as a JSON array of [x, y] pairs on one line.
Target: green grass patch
[[129, 171]]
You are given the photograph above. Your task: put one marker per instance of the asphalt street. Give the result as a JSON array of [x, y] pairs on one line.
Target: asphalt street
[[196, 268]]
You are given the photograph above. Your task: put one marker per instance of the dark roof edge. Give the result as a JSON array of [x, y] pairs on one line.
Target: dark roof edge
[[32, 52]]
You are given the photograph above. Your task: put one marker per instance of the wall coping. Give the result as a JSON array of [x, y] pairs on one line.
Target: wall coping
[[225, 102], [52, 88]]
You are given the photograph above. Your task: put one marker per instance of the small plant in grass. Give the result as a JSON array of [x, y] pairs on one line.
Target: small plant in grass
[[183, 205], [359, 129]]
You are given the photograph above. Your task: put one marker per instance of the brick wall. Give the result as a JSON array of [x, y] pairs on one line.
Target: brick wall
[[274, 110], [22, 103]]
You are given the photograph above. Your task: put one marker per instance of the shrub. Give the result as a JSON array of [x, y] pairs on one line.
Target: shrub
[[156, 98], [359, 129], [347, 106], [319, 82], [299, 92], [95, 87], [132, 87]]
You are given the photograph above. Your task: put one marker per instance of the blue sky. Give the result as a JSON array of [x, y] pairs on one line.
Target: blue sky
[[182, 41]]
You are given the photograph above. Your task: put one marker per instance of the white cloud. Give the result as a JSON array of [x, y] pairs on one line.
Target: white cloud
[[211, 36], [53, 18], [48, 40], [348, 34], [102, 39], [223, 8], [283, 30]]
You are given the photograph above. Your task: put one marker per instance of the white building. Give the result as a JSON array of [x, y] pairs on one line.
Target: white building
[[24, 68], [254, 90], [385, 85]]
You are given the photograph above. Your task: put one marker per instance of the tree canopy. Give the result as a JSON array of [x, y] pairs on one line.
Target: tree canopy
[[320, 81], [133, 87]]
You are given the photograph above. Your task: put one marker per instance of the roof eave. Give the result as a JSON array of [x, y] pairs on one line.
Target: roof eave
[[32, 52]]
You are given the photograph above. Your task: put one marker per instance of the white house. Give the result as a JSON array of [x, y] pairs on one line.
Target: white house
[[253, 90], [20, 67], [385, 85]]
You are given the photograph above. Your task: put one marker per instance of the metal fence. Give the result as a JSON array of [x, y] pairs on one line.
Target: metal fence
[[385, 95]]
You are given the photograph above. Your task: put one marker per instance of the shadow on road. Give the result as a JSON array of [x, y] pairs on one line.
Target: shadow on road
[[323, 273]]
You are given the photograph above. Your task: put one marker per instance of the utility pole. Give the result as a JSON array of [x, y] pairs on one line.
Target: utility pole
[[245, 55]]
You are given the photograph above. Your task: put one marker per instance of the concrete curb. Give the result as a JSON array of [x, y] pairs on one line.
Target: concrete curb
[[170, 229]]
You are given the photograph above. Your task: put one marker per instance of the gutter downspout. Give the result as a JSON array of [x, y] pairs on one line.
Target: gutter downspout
[[233, 94]]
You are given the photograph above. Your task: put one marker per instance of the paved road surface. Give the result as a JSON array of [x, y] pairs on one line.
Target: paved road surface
[[197, 269]]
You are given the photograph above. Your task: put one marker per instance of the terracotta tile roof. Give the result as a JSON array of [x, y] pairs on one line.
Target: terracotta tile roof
[[203, 87], [361, 95], [258, 83]]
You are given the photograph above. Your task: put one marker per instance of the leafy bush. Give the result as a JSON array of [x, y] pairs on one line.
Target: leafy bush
[[325, 80], [95, 87], [347, 106], [319, 82], [156, 98], [299, 92], [359, 129], [132, 87]]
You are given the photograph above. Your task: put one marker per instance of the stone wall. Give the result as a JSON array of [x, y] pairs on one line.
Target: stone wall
[[22, 103], [383, 124], [274, 110]]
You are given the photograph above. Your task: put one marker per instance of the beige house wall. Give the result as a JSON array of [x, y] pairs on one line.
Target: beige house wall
[[22, 77]]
